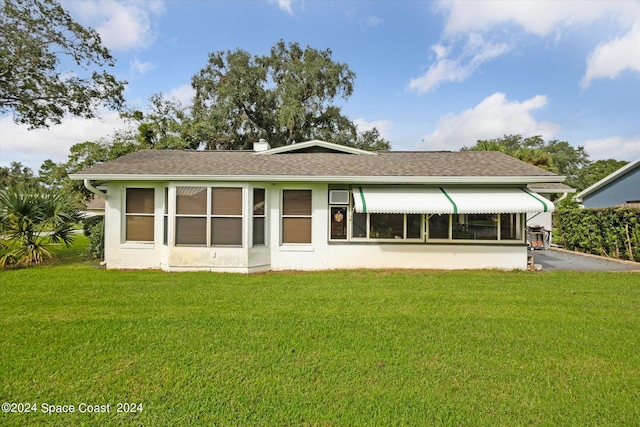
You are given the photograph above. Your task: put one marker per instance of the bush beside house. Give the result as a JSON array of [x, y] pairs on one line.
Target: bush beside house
[[610, 232]]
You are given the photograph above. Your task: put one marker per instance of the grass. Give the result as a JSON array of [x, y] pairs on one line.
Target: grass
[[480, 348]]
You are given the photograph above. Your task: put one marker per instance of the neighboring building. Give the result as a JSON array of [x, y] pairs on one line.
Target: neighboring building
[[621, 188], [94, 207], [317, 205]]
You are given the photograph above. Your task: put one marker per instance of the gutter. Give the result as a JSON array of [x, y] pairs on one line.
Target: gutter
[[513, 180], [94, 190]]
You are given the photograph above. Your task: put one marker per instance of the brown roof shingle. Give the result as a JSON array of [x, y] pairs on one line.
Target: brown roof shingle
[[176, 163]]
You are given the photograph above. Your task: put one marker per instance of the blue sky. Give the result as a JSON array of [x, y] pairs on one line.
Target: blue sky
[[429, 75]]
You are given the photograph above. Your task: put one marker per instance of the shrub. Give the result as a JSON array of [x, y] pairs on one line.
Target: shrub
[[96, 238], [89, 222], [31, 220], [611, 232]]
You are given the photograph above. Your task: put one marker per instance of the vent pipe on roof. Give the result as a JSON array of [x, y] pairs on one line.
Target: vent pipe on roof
[[261, 145]]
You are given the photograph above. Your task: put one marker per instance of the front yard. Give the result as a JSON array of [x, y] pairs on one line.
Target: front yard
[[329, 348]]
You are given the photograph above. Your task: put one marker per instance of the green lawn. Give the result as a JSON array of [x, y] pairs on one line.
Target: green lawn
[[341, 348]]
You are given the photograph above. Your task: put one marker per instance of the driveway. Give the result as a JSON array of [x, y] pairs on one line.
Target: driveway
[[557, 259]]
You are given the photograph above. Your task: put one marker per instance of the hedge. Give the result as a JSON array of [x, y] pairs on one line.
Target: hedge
[[611, 232]]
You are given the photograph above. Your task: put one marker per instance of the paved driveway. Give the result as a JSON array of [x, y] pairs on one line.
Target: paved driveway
[[562, 260]]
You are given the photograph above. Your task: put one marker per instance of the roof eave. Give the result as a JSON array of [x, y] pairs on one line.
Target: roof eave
[[607, 179], [514, 180]]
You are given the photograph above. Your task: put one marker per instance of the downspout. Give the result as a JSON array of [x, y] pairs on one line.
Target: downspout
[[564, 196], [94, 190]]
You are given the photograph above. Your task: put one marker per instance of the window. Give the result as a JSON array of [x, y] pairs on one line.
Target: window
[[386, 226], [359, 225], [226, 216], [296, 216], [165, 223], [339, 222], [439, 227], [476, 227], [259, 216], [191, 216], [208, 216], [139, 214], [510, 227]]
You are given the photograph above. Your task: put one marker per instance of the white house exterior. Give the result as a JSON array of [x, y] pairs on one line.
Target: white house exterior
[[316, 206]]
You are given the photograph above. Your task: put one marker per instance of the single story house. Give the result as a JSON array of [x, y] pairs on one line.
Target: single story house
[[621, 188], [317, 205]]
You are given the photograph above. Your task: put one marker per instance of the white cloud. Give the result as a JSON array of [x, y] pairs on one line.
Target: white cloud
[[494, 117], [537, 17], [284, 5], [544, 18], [475, 52], [608, 60], [183, 94], [122, 25], [371, 22], [383, 126], [141, 67], [615, 147], [33, 147]]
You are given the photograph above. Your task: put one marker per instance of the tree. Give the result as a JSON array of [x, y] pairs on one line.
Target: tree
[[31, 220], [165, 125], [284, 97], [83, 156], [597, 170], [36, 38], [16, 175], [557, 156]]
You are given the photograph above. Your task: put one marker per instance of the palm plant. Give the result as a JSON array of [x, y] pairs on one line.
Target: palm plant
[[32, 219]]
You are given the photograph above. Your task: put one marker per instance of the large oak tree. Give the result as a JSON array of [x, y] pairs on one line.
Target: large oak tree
[[287, 96], [51, 66]]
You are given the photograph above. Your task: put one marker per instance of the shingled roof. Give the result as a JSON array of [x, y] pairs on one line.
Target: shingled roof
[[323, 165]]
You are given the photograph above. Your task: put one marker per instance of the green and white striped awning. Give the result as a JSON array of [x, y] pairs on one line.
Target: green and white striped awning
[[449, 200]]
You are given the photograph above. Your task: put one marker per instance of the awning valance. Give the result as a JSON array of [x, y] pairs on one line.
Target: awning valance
[[441, 200]]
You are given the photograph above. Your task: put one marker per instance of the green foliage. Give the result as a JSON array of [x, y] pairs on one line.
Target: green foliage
[[31, 220], [611, 232], [36, 37], [16, 175], [557, 156], [595, 171], [95, 232], [89, 222], [165, 126], [284, 97], [83, 156], [337, 348]]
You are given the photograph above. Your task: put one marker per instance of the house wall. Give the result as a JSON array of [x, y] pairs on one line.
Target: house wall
[[320, 254], [421, 256], [623, 190], [120, 254]]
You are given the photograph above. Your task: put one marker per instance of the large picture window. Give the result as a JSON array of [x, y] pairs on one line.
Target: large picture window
[[208, 216], [386, 226], [475, 227], [296, 216], [139, 214]]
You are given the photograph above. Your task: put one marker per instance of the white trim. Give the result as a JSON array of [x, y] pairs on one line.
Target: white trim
[[607, 179], [314, 143], [514, 180]]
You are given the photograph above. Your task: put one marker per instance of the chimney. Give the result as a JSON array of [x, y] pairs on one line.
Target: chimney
[[261, 145]]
